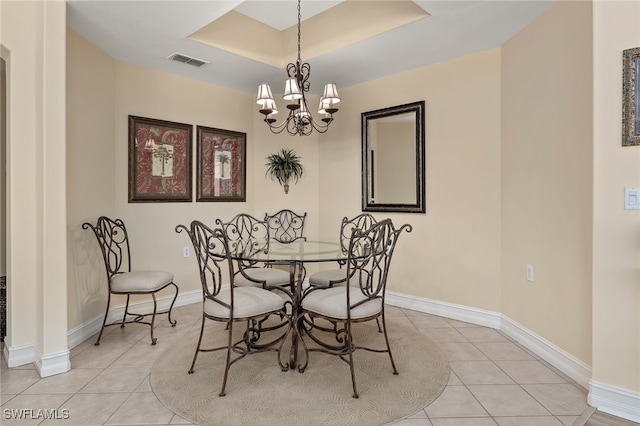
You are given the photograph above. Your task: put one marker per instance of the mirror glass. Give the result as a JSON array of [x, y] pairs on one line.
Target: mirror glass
[[393, 159]]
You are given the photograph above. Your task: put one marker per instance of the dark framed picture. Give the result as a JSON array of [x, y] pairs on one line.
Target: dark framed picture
[[159, 160], [631, 97], [222, 166]]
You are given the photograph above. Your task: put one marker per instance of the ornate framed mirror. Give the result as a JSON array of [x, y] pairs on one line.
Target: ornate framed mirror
[[393, 160]]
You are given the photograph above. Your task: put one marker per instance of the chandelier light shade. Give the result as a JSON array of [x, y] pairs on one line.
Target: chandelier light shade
[[299, 121]]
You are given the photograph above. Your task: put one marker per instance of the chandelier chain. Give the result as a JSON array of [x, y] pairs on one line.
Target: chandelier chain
[[299, 18]]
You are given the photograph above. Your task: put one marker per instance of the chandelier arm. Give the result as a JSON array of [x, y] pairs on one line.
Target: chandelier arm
[[299, 19], [320, 128], [294, 127], [305, 72], [279, 128], [292, 70]]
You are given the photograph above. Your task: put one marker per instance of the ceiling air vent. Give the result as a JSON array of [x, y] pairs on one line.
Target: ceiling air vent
[[187, 60]]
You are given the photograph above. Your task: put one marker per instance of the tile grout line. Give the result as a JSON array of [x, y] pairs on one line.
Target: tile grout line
[[550, 414], [404, 316]]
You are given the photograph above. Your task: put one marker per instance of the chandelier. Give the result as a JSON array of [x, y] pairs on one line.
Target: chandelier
[[299, 121]]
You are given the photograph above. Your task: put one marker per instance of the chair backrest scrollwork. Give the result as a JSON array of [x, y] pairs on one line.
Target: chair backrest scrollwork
[[210, 248], [347, 226], [246, 236], [286, 226], [370, 252], [114, 244]]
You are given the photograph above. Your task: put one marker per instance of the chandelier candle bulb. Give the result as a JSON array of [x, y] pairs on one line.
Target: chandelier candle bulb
[[270, 105], [264, 95], [303, 113], [321, 107], [331, 93], [291, 90]]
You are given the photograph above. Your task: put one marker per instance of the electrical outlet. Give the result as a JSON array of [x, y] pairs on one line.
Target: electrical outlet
[[185, 251], [530, 273]]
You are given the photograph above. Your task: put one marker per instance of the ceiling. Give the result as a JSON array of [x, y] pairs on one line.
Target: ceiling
[[245, 43]]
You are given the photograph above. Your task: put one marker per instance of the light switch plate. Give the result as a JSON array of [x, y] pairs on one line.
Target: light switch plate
[[632, 198]]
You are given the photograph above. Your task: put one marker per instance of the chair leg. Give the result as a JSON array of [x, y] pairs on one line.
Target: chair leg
[[228, 363], [153, 318], [386, 339], [349, 343], [173, 322], [195, 356], [126, 311], [104, 322]]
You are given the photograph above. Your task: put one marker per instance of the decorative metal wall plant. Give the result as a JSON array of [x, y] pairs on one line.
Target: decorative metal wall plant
[[284, 166]]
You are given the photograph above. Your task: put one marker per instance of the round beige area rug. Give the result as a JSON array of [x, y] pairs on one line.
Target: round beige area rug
[[259, 393]]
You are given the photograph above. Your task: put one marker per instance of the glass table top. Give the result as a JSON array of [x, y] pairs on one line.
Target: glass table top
[[298, 251]]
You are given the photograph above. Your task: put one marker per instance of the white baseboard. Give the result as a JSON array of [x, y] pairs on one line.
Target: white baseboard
[[444, 309], [568, 364], [55, 363], [615, 401], [47, 365], [609, 399], [19, 355], [91, 327], [560, 359], [84, 331]]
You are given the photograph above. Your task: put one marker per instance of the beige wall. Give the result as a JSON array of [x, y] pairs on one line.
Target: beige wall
[[147, 93], [466, 238], [546, 176], [116, 90], [91, 186], [453, 254], [33, 34], [3, 165], [616, 232], [268, 195], [21, 214]]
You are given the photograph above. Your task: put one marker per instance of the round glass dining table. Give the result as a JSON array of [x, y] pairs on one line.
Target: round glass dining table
[[295, 254], [301, 251]]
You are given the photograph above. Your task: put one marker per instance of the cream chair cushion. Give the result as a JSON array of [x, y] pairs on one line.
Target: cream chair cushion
[[248, 302], [272, 276], [323, 279], [332, 302], [140, 281]]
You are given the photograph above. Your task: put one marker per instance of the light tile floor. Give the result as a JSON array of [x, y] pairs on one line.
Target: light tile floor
[[493, 380]]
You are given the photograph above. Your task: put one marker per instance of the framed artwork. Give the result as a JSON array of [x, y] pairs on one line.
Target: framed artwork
[[222, 166], [631, 97], [159, 160]]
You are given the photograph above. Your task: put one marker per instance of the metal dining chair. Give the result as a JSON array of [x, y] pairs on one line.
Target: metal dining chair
[[121, 279], [225, 302], [361, 299], [338, 276], [249, 235]]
